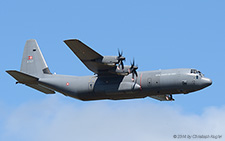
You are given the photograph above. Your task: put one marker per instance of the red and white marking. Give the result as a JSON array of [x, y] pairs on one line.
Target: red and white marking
[[167, 98], [67, 84], [30, 57], [140, 82]]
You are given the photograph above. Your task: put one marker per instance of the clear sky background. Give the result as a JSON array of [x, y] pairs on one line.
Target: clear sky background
[[160, 34]]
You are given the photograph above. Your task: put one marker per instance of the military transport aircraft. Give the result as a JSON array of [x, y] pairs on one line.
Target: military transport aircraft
[[112, 79]]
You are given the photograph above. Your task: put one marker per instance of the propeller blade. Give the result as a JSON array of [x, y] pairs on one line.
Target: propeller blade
[[132, 75], [133, 69], [122, 64], [120, 59], [119, 55], [135, 72]]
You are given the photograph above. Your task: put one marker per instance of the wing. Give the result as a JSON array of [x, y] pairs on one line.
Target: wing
[[162, 97], [91, 59]]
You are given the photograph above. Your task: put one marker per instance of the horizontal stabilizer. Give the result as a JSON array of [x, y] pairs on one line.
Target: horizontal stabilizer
[[41, 88], [22, 77], [30, 81]]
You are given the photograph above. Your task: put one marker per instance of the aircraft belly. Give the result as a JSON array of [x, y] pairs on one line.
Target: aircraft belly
[[112, 96], [123, 87], [123, 90]]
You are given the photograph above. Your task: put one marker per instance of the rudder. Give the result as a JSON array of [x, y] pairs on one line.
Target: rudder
[[33, 62]]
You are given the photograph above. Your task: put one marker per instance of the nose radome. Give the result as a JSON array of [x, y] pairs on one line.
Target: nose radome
[[206, 82]]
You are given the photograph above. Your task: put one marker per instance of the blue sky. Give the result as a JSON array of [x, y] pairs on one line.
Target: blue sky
[[158, 34]]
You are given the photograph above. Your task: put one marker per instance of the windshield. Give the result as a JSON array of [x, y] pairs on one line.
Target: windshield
[[194, 71]]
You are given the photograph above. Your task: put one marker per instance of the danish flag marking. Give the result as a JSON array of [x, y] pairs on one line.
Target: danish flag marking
[[30, 57]]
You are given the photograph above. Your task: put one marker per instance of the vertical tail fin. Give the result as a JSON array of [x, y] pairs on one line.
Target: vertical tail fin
[[33, 62]]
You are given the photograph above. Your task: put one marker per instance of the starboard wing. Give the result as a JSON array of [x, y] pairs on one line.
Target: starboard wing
[[90, 58]]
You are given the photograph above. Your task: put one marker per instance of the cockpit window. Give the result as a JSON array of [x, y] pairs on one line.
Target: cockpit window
[[194, 71], [201, 74]]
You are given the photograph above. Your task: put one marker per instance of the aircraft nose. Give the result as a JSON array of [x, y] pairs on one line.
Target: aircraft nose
[[206, 82]]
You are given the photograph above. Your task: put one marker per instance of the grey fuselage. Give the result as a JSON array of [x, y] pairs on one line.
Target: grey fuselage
[[148, 83]]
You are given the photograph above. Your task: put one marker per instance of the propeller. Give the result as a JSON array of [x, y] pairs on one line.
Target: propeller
[[133, 69], [120, 59]]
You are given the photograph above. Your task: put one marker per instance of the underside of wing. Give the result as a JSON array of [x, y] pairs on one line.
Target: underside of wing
[[91, 59]]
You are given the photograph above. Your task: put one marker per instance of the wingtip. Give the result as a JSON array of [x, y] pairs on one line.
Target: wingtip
[[11, 71], [8, 71], [71, 40]]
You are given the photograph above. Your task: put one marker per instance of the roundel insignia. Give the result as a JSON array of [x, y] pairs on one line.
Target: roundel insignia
[[30, 57], [67, 84]]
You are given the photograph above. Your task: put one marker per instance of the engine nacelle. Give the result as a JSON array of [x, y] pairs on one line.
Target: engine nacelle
[[110, 60]]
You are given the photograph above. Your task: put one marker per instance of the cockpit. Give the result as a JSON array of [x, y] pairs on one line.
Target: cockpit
[[194, 71]]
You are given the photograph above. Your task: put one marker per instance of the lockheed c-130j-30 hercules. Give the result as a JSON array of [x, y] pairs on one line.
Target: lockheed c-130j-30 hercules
[[112, 79]]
